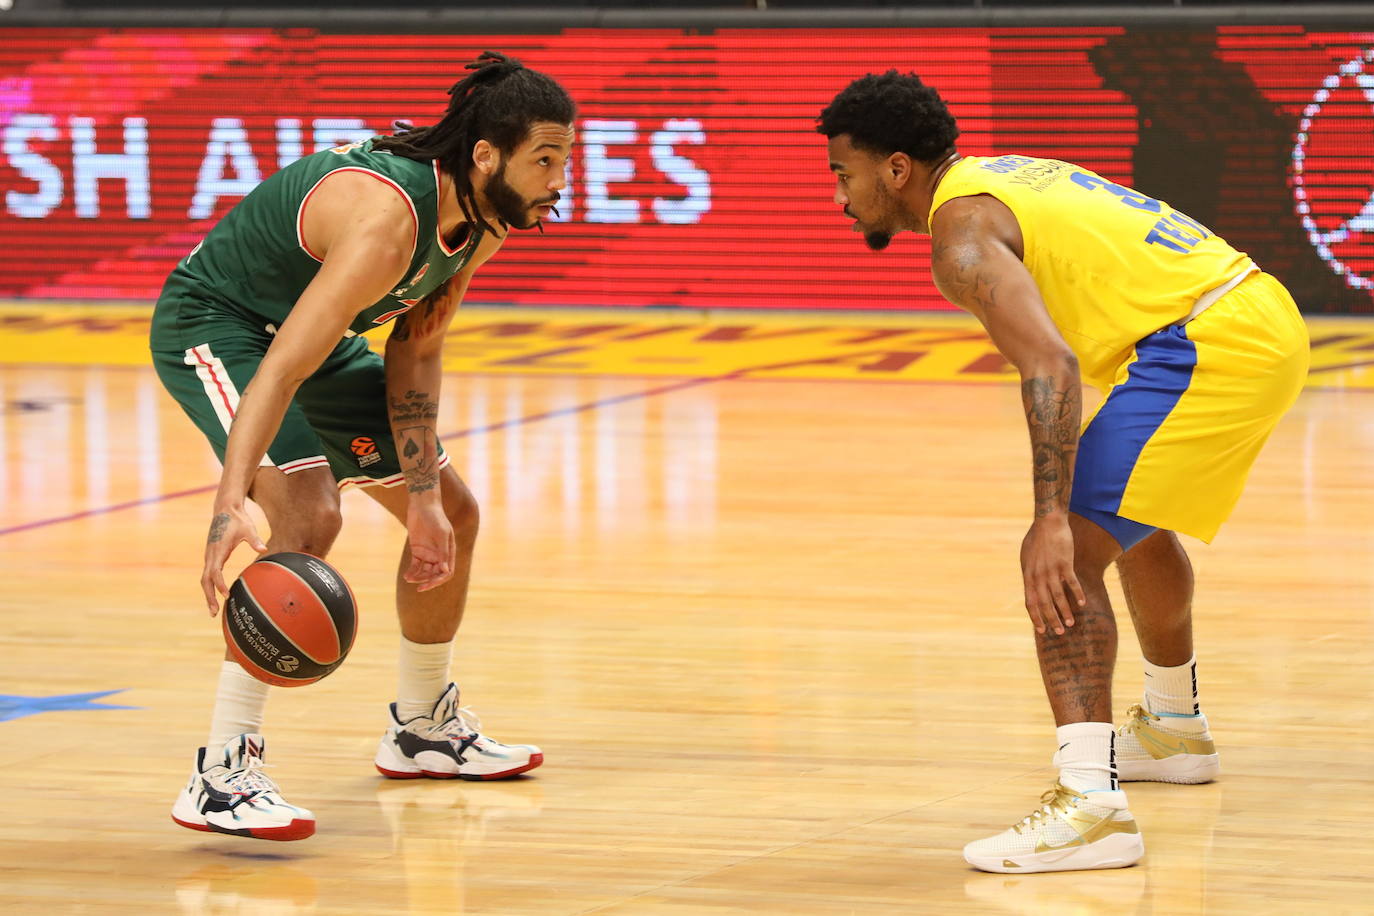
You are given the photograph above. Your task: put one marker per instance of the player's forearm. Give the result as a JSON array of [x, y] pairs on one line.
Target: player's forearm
[[1052, 395], [256, 421], [412, 384]]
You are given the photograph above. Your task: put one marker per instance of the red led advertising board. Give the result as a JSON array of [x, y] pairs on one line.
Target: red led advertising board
[[698, 179]]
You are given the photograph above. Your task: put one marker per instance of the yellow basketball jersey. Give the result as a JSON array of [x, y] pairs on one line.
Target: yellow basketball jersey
[[1112, 264]]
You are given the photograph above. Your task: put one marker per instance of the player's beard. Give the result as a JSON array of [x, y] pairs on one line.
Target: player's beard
[[510, 207], [877, 240]]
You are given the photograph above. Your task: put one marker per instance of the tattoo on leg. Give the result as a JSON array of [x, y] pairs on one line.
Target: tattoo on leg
[[1077, 666]]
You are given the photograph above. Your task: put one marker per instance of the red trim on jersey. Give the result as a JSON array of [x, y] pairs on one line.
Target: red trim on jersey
[[438, 230], [387, 316], [219, 386], [300, 211]]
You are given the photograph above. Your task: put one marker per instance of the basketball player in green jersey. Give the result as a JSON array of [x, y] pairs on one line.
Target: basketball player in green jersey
[[256, 336], [1198, 354]]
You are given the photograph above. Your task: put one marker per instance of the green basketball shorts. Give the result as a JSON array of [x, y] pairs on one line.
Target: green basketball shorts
[[338, 418]]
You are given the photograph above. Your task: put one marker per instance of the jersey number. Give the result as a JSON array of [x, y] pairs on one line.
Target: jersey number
[[1174, 230]]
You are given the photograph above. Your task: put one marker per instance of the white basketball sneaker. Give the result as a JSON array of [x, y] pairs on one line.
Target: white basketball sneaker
[[1153, 748], [231, 794], [447, 744], [1070, 831]]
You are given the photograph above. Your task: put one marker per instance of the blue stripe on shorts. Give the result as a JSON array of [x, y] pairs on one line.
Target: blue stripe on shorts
[[1111, 445]]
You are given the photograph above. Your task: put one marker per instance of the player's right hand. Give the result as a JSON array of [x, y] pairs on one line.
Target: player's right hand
[[1053, 592], [432, 544], [230, 527]]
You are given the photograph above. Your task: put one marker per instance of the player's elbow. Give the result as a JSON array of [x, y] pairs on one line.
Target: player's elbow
[[1049, 361], [279, 379]]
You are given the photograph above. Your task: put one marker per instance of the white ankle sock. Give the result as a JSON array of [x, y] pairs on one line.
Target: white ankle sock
[[422, 677], [1087, 755], [1172, 691], [240, 701]]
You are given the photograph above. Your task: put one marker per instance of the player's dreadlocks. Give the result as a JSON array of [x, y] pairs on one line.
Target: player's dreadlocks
[[499, 101], [890, 113]]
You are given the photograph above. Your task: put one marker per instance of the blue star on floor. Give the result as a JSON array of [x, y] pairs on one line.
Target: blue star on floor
[[16, 707]]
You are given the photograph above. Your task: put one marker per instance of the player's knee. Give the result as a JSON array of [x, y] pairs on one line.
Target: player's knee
[[1089, 571], [1161, 546], [463, 514], [312, 529], [1090, 565]]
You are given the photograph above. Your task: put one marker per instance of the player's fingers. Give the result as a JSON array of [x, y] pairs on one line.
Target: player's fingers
[[1061, 601], [208, 587], [436, 575], [1076, 589], [421, 572], [427, 586], [1033, 609], [1047, 607]]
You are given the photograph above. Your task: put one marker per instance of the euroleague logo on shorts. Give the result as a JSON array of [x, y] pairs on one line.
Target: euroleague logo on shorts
[[365, 447], [1332, 162]]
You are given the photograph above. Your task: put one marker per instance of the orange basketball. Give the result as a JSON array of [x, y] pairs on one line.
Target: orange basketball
[[290, 619]]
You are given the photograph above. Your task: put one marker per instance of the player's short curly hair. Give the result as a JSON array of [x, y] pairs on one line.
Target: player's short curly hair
[[889, 113]]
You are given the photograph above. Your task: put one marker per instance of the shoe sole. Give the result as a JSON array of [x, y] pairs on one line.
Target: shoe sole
[[1180, 769], [1117, 851], [534, 761], [296, 830]]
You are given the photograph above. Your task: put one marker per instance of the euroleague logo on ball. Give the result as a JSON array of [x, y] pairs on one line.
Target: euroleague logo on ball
[[1333, 171], [365, 447], [288, 663]]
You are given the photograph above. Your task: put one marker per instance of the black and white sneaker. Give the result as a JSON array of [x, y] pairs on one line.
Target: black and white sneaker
[[447, 744], [230, 794]]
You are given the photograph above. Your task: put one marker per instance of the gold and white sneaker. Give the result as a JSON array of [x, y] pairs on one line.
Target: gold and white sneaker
[[1069, 832], [1152, 748]]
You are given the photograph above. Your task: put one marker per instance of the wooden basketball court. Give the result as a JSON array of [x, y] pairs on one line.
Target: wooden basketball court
[[751, 585]]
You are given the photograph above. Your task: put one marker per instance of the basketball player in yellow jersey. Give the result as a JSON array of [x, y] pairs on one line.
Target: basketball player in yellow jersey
[[1198, 352]]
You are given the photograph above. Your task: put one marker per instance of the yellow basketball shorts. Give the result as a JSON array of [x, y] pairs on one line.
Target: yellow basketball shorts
[[1173, 441]]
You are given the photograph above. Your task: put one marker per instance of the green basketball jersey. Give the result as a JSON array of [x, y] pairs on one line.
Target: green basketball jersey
[[255, 264]]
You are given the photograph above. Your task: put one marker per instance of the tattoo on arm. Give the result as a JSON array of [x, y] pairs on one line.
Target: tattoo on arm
[[421, 446], [413, 416], [1053, 408], [960, 277], [430, 316], [414, 406], [217, 526], [1053, 402]]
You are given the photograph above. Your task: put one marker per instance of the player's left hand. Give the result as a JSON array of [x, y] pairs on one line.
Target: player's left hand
[[432, 546], [1052, 589]]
